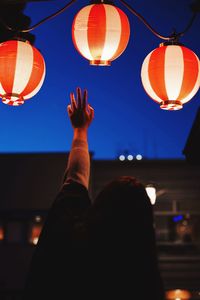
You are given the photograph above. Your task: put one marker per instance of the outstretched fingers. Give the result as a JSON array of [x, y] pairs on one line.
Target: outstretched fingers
[[79, 98], [73, 102], [85, 98], [80, 112]]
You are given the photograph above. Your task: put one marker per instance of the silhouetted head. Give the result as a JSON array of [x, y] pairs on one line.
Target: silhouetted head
[[123, 240], [124, 203], [122, 217]]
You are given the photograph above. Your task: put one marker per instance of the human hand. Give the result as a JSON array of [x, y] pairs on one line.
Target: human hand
[[80, 112]]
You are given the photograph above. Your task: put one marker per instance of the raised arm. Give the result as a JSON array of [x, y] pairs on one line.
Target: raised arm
[[81, 115], [60, 249]]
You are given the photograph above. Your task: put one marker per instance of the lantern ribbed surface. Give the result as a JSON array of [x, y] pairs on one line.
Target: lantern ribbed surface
[[100, 33], [22, 72], [171, 76]]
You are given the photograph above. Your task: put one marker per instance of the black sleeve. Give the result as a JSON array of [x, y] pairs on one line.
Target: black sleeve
[[68, 207], [59, 248]]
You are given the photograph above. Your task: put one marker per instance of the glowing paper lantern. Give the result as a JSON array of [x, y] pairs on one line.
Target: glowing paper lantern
[[171, 75], [22, 72], [100, 33]]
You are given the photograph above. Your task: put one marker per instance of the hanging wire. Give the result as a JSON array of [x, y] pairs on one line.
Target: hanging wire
[[40, 22], [189, 25], [173, 37]]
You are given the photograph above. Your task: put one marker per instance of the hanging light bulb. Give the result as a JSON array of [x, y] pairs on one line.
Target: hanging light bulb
[[22, 71], [100, 33], [171, 75]]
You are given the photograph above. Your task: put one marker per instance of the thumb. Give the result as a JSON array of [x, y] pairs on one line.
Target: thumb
[[69, 110], [91, 111]]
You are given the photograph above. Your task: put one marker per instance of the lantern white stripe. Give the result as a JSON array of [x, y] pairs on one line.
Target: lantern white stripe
[[113, 32], [81, 31], [196, 86], [2, 91], [24, 65], [6, 101], [16, 104], [146, 81], [174, 71], [38, 86]]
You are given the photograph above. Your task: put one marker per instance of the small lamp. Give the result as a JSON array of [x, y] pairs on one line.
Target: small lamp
[[151, 192], [178, 295]]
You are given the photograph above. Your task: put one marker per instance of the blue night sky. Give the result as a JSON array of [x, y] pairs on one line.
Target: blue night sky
[[125, 117]]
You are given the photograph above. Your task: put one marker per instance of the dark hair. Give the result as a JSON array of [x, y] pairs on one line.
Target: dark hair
[[122, 231], [123, 191], [123, 202]]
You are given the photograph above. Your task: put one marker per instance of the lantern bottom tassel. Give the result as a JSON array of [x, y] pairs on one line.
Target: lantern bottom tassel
[[171, 105], [12, 99], [96, 62]]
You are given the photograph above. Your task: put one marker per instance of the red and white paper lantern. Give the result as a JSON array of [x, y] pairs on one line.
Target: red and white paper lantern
[[171, 75], [22, 72], [100, 33]]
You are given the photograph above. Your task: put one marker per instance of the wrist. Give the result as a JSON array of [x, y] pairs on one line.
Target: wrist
[[80, 133]]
